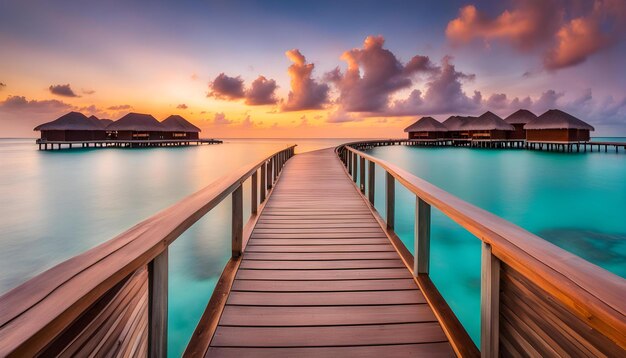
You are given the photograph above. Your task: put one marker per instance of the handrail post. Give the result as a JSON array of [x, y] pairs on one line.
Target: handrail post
[[237, 222], [390, 184], [254, 192], [269, 173], [489, 302], [157, 305], [421, 261], [263, 185], [362, 174], [349, 162], [354, 163], [371, 185]]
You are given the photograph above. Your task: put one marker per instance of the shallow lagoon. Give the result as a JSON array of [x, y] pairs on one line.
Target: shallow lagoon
[[58, 204], [574, 200]]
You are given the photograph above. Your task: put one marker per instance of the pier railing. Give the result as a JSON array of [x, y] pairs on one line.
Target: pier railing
[[536, 298], [113, 298]]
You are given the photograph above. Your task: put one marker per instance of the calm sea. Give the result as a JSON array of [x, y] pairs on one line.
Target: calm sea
[[57, 204], [575, 200]]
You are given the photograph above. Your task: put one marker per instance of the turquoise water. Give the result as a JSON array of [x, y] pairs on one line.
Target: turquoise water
[[55, 205], [574, 200]]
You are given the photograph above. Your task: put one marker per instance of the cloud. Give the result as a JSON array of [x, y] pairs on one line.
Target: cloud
[[525, 26], [87, 91], [247, 122], [21, 104], [542, 24], [341, 116], [220, 119], [121, 107], [373, 75], [2, 85], [583, 36], [261, 92], [444, 94], [225, 87], [62, 90], [306, 93], [182, 106], [497, 100]]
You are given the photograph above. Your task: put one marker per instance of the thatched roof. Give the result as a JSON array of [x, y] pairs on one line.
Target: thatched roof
[[556, 119], [522, 116], [487, 122], [102, 123], [455, 123], [105, 122], [426, 124], [136, 122], [73, 121], [177, 123]]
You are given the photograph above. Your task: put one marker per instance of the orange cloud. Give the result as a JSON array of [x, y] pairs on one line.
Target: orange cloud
[[306, 92], [535, 23], [530, 24]]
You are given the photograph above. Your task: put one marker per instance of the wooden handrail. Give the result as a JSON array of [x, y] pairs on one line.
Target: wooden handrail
[[594, 295], [34, 313]]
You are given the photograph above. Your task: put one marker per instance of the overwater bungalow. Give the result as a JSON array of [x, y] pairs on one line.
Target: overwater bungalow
[[103, 123], [557, 126], [73, 126], [518, 120], [426, 128], [486, 126], [177, 127], [454, 125], [136, 126]]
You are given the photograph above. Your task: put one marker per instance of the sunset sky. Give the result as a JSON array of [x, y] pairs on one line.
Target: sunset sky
[[311, 69]]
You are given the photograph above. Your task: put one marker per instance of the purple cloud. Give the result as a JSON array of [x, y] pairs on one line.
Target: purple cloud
[[225, 87], [182, 106], [62, 90], [121, 107], [306, 93], [261, 92], [20, 103]]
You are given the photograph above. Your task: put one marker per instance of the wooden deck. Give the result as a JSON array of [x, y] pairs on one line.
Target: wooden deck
[[320, 277]]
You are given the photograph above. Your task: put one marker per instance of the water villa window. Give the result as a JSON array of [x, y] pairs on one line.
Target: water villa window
[[557, 126], [427, 128]]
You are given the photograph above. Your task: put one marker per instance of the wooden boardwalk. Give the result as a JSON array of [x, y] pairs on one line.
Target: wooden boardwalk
[[319, 277]]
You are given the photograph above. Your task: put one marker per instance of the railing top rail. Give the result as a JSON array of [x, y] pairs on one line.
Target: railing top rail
[[57, 296], [597, 294]]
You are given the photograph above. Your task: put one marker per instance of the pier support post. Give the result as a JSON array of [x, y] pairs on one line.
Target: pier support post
[[362, 175], [421, 261], [354, 164], [390, 184], [157, 305], [263, 185], [254, 192], [489, 303], [371, 185], [269, 173], [237, 222]]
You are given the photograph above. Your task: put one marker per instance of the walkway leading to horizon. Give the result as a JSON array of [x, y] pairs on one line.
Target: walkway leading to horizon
[[319, 277]]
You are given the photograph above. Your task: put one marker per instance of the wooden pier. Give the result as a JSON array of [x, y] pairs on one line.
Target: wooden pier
[[571, 147], [316, 271], [50, 145]]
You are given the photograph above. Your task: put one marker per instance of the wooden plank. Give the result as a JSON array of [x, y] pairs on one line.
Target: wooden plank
[[328, 336], [355, 274], [325, 256], [434, 350], [323, 286], [320, 265], [268, 316], [299, 242], [347, 298], [157, 305], [321, 248]]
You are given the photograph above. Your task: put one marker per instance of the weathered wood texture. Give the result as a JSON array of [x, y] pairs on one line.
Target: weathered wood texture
[[115, 326], [319, 277], [592, 295], [533, 322], [38, 312]]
